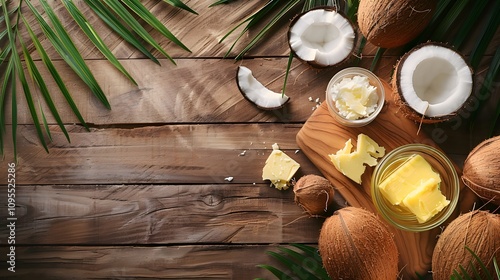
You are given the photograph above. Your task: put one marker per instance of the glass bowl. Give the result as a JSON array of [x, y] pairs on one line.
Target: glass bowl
[[449, 186], [349, 73]]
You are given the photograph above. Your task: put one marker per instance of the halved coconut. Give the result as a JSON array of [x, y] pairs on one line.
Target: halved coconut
[[433, 83], [257, 93], [321, 37]]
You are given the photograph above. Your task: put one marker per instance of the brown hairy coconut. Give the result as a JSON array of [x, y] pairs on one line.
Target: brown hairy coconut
[[481, 171], [314, 194], [432, 82], [322, 37], [478, 231], [393, 23], [355, 244]]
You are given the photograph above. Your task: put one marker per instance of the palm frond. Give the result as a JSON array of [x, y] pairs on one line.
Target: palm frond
[[220, 2], [84, 24], [55, 74], [251, 21], [149, 18], [260, 35], [304, 262], [116, 25], [18, 69], [16, 59], [63, 44], [448, 19], [469, 22], [181, 5], [38, 79], [485, 37], [4, 88], [123, 13]]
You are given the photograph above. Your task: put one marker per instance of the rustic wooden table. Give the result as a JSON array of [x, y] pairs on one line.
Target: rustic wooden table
[[143, 194]]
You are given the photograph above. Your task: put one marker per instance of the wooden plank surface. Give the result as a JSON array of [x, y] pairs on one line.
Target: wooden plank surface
[[159, 214], [144, 262], [142, 195], [155, 154]]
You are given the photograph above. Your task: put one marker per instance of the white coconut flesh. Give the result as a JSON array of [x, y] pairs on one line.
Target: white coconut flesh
[[322, 36], [256, 92], [435, 81]]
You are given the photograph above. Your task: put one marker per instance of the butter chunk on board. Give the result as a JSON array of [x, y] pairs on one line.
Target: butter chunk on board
[[352, 163]]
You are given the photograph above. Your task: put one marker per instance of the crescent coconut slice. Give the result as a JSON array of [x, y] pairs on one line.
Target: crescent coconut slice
[[434, 81], [257, 93], [321, 37]]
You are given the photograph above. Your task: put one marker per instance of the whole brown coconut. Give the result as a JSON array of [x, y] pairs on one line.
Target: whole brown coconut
[[481, 171], [478, 231], [393, 23], [314, 194], [355, 244]]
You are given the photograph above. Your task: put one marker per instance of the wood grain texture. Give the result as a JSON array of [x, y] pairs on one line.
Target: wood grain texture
[[142, 195], [196, 90], [154, 154], [321, 135], [159, 214], [142, 262]]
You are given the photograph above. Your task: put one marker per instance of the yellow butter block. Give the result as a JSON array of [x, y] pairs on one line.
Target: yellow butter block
[[426, 200], [279, 169], [406, 178], [352, 163]]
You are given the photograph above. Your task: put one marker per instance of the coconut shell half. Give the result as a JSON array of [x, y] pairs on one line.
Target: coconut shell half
[[322, 37], [433, 83]]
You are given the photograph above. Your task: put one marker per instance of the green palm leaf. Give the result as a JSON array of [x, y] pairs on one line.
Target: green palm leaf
[[19, 71], [251, 21], [149, 18], [7, 78], [302, 264], [111, 20], [12, 75], [467, 25], [114, 13], [55, 74], [221, 2], [66, 48], [94, 37], [278, 273], [129, 19], [448, 19], [291, 4], [37, 78], [485, 37], [181, 5]]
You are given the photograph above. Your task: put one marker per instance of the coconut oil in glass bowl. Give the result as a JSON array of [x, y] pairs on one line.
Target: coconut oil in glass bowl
[[353, 74], [398, 215]]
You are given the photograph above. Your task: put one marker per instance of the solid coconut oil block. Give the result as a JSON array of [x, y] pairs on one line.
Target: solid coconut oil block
[[354, 97], [352, 163], [415, 186], [279, 168]]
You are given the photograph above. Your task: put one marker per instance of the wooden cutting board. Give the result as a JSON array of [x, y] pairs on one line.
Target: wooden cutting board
[[321, 135]]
